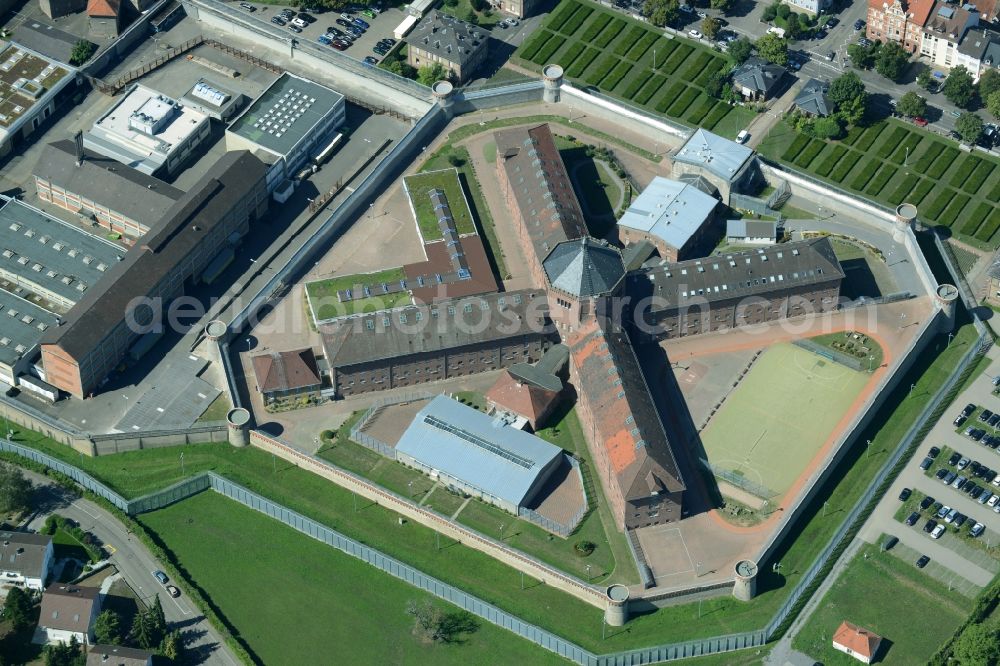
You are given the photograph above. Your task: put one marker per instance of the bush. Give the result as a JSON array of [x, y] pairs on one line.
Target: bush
[[603, 68], [582, 62], [793, 150], [975, 218], [986, 232], [545, 53], [596, 27], [979, 177], [671, 95], [890, 144], [609, 33], [679, 55], [869, 137], [642, 46], [529, 50], [964, 170], [577, 20], [715, 117], [899, 194], [625, 43], [885, 173], [584, 548], [944, 162], [943, 198], [928, 156], [907, 150], [683, 102], [832, 158], [864, 176], [650, 88], [559, 17], [844, 166], [812, 149], [701, 110], [636, 85], [922, 189], [617, 75], [570, 55], [953, 210]]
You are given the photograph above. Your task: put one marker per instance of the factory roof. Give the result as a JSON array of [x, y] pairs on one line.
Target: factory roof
[[719, 156], [584, 267], [670, 210], [22, 324], [48, 254], [23, 553], [27, 79], [481, 451], [106, 182], [285, 113], [449, 38], [751, 229]]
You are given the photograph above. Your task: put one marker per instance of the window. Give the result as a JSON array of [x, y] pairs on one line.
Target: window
[[370, 324], [385, 322], [467, 308]]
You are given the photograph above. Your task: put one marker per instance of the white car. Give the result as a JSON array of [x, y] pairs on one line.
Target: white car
[[695, 34], [742, 136], [938, 531], [992, 501]]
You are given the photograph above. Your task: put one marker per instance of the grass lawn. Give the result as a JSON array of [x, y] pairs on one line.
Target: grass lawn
[[892, 162], [217, 410], [65, 545], [418, 188], [599, 190], [295, 601], [892, 598], [326, 303], [633, 61], [874, 349]]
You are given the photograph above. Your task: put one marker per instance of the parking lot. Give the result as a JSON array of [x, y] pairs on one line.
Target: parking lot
[[972, 558]]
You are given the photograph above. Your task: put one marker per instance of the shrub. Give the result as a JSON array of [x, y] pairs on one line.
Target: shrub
[[664, 48], [975, 218], [643, 45], [711, 68], [922, 189], [928, 156], [681, 104], [327, 435], [719, 112], [869, 137], [812, 149], [965, 168], [944, 161], [595, 27], [943, 198], [885, 173], [899, 194], [617, 75], [864, 177], [844, 166], [907, 150], [546, 52], [825, 166], [582, 62], [679, 55], [795, 148], [853, 135], [979, 177], [562, 15], [603, 68], [699, 111], [579, 16], [625, 43], [584, 548], [953, 210], [610, 32], [892, 142], [670, 96], [529, 50], [650, 88], [986, 232], [637, 83], [697, 66], [570, 55]]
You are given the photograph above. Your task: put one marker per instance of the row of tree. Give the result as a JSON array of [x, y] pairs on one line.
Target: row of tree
[[662, 13]]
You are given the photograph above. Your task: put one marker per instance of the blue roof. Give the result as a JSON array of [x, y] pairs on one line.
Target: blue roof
[[481, 451], [720, 156]]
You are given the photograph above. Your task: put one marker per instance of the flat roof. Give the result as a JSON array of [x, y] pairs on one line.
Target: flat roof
[[27, 78], [285, 113], [22, 324], [50, 254], [46, 39], [479, 450], [719, 156], [670, 210]]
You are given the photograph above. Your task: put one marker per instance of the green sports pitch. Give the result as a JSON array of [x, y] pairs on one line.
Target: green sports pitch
[[772, 424]]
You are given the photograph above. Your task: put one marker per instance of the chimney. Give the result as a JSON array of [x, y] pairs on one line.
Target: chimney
[[78, 140]]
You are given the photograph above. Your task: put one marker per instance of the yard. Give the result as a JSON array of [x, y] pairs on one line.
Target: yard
[[326, 304], [297, 601], [419, 186], [635, 62], [892, 162], [892, 598]]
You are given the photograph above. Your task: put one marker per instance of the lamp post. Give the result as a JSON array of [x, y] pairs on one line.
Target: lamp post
[[248, 345], [868, 447], [501, 532], [182, 463]]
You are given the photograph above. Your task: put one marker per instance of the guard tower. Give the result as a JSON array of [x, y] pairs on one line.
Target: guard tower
[[906, 215], [616, 613], [746, 580], [238, 420], [552, 78]]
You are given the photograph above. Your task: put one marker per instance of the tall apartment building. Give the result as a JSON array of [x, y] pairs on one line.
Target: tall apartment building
[[899, 21]]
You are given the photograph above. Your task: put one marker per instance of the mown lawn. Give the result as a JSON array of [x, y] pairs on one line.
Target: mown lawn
[[326, 304], [294, 600], [419, 186]]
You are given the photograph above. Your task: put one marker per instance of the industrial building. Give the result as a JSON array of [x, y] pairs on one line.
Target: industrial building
[[729, 166], [580, 273], [478, 455], [202, 228], [530, 392], [31, 86], [424, 343], [115, 196], [148, 131], [213, 100], [291, 121], [458, 46], [676, 217], [25, 559], [22, 324]]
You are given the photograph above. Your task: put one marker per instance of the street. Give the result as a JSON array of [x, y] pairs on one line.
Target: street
[[136, 564]]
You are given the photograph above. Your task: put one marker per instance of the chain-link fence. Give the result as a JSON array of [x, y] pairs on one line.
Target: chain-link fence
[[740, 481], [753, 204], [75, 473], [831, 354]]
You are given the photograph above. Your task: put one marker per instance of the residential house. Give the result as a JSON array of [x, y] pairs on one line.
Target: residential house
[[899, 21], [978, 51], [757, 79], [812, 100], [287, 374], [25, 559], [68, 611], [857, 642], [117, 655], [751, 232], [943, 32], [459, 46]]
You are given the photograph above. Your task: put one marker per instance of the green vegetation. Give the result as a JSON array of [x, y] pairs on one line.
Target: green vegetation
[[82, 50], [845, 343], [326, 303], [906, 599], [418, 187], [217, 410], [634, 62], [352, 607], [891, 162]]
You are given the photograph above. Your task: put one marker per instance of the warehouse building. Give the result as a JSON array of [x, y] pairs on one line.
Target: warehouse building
[[676, 217], [31, 87], [148, 131], [477, 454], [119, 198], [22, 324], [292, 121], [203, 226]]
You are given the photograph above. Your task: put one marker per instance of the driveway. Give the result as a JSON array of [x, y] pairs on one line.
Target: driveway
[[136, 563]]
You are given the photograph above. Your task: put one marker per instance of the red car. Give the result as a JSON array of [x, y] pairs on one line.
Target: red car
[[339, 44], [920, 122]]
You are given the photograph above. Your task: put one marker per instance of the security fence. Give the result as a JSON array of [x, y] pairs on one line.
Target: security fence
[[951, 262], [739, 480], [753, 204], [832, 354], [377, 445], [555, 526], [175, 493], [75, 473]]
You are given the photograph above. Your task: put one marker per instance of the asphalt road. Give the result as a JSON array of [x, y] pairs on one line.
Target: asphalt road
[[136, 564]]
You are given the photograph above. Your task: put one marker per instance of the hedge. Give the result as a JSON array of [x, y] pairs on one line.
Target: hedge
[[573, 25], [965, 168], [681, 104], [994, 194], [700, 110], [943, 162], [582, 62], [713, 67], [596, 26], [549, 50], [536, 44], [887, 147], [884, 174], [640, 47], [616, 75], [899, 194], [974, 219], [922, 189], [609, 33], [943, 198], [870, 136], [696, 66], [720, 111], [979, 176], [864, 177], [570, 55], [853, 135], [809, 153], [603, 68], [649, 88], [830, 160], [641, 79], [907, 149], [795, 148], [670, 96], [928, 156], [679, 55], [986, 231], [664, 48], [845, 165], [953, 210], [561, 15], [624, 43]]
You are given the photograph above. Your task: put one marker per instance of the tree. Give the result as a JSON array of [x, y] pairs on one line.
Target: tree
[[432, 624], [17, 609], [958, 87], [142, 633], [993, 104], [924, 78], [911, 104], [783, 10], [107, 628], [724, 5], [428, 74], [792, 27], [82, 50], [15, 490], [661, 12], [401, 68], [970, 127], [715, 84], [862, 57], [770, 13], [471, 17], [989, 83], [827, 128], [740, 49], [772, 48], [63, 654], [172, 647], [979, 644], [891, 61], [710, 27], [848, 94]]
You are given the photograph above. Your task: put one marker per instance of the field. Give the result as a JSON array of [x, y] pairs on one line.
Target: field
[[326, 305], [892, 162], [297, 601], [913, 612], [634, 62], [760, 433], [418, 186]]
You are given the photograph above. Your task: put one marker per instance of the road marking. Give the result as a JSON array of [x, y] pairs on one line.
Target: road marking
[[85, 511], [111, 549]]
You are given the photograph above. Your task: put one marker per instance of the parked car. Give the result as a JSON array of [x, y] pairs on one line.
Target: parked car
[[967, 411], [922, 561], [963, 463], [344, 22], [926, 502], [160, 576], [361, 23], [948, 478], [958, 482], [247, 6], [953, 460], [959, 420], [920, 122], [937, 532], [306, 17], [985, 415], [832, 22], [904, 494], [933, 452], [339, 44], [369, 12], [294, 28], [941, 473], [943, 511], [371, 60], [993, 500], [985, 497], [354, 30], [960, 520], [926, 463], [743, 136], [977, 530], [889, 542], [912, 519], [694, 34], [324, 39], [977, 492], [173, 591], [950, 518], [859, 24], [277, 20], [930, 525]]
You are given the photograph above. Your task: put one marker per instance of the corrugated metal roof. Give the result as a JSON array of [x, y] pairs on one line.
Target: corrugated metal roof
[[717, 155], [670, 210], [466, 444]]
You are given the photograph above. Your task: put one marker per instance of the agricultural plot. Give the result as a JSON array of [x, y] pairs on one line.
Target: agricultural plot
[[891, 162], [634, 62]]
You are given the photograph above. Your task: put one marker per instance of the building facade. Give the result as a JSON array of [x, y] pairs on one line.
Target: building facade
[[943, 33], [900, 21], [68, 611], [460, 47], [36, 85], [676, 217], [25, 559]]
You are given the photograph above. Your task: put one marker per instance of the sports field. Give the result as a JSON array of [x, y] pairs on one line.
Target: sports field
[[780, 415]]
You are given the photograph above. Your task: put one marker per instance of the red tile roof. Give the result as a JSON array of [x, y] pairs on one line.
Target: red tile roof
[[103, 8], [522, 398], [856, 639], [285, 371], [919, 10]]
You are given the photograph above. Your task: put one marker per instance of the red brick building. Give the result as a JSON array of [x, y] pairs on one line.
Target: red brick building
[[898, 21]]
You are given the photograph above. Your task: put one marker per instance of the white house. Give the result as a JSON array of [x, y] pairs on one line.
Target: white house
[[68, 611], [751, 232], [857, 642], [25, 559]]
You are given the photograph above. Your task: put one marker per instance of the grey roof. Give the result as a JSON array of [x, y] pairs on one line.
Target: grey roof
[[813, 98], [447, 324], [47, 39], [636, 254], [22, 324], [23, 553], [719, 156], [229, 181], [450, 38], [758, 75], [106, 182], [738, 275], [481, 451], [992, 54], [976, 43], [277, 105], [51, 254], [584, 267], [751, 229], [68, 607], [117, 655], [671, 210], [701, 183], [545, 373]]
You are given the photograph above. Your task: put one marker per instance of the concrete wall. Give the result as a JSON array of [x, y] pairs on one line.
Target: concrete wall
[[118, 49], [109, 444]]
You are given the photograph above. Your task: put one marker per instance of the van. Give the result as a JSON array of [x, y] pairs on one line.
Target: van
[[299, 23], [938, 531], [742, 136]]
